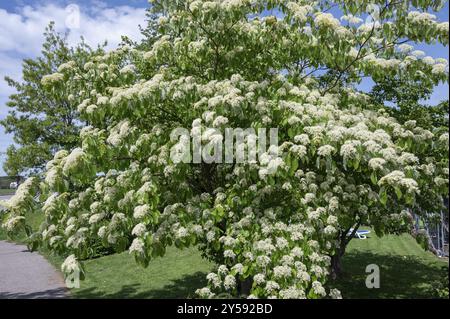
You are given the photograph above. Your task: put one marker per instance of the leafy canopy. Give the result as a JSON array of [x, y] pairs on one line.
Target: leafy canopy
[[43, 121]]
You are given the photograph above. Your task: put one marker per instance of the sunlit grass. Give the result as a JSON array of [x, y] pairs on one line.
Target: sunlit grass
[[406, 271]]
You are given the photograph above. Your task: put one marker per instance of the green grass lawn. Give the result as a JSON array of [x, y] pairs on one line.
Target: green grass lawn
[[177, 275], [406, 271], [7, 191]]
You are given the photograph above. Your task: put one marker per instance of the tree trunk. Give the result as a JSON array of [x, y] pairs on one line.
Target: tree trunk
[[244, 287], [336, 259], [336, 265]]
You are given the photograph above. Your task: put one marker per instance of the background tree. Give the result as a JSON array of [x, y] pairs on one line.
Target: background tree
[[43, 122], [149, 31], [405, 99]]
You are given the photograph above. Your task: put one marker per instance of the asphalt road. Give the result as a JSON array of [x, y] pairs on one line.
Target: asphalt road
[[26, 275]]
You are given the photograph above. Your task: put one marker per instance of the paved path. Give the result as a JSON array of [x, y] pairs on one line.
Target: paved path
[[28, 275], [5, 197]]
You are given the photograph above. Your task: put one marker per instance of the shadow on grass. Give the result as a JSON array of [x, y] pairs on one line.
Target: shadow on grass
[[400, 276], [56, 293], [180, 288]]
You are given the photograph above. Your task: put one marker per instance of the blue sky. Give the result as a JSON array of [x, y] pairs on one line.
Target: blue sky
[[23, 21]]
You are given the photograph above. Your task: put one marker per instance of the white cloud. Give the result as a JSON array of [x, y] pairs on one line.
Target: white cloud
[[22, 31], [21, 36], [11, 66]]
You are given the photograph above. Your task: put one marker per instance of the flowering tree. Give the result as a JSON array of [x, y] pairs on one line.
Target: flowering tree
[[277, 226], [43, 121]]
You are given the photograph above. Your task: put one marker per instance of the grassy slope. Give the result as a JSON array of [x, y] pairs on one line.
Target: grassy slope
[[177, 275], [406, 270], [6, 191]]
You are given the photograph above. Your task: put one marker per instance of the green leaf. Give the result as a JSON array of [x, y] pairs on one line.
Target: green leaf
[[398, 192], [373, 178], [383, 196], [291, 132], [294, 166]]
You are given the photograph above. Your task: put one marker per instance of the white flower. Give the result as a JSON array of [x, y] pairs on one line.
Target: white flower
[[302, 139], [229, 282], [326, 20], [292, 293], [128, 69], [272, 286], [91, 109], [439, 181], [330, 230], [73, 160], [377, 163], [52, 79], [332, 220], [428, 60], [303, 276], [181, 233], [263, 261], [299, 150], [238, 268], [69, 230], [443, 27], [229, 254], [89, 66], [282, 271], [222, 270], [101, 231], [265, 246], [393, 178], [210, 236], [418, 53], [68, 66], [137, 246], [12, 223], [318, 289], [204, 293], [405, 48], [259, 279], [282, 242], [139, 230], [335, 294], [407, 158], [94, 219], [141, 211], [214, 279], [70, 265], [287, 186], [439, 68], [410, 185], [293, 120], [326, 150], [351, 19], [273, 165], [348, 150], [197, 123], [220, 121], [444, 138]]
